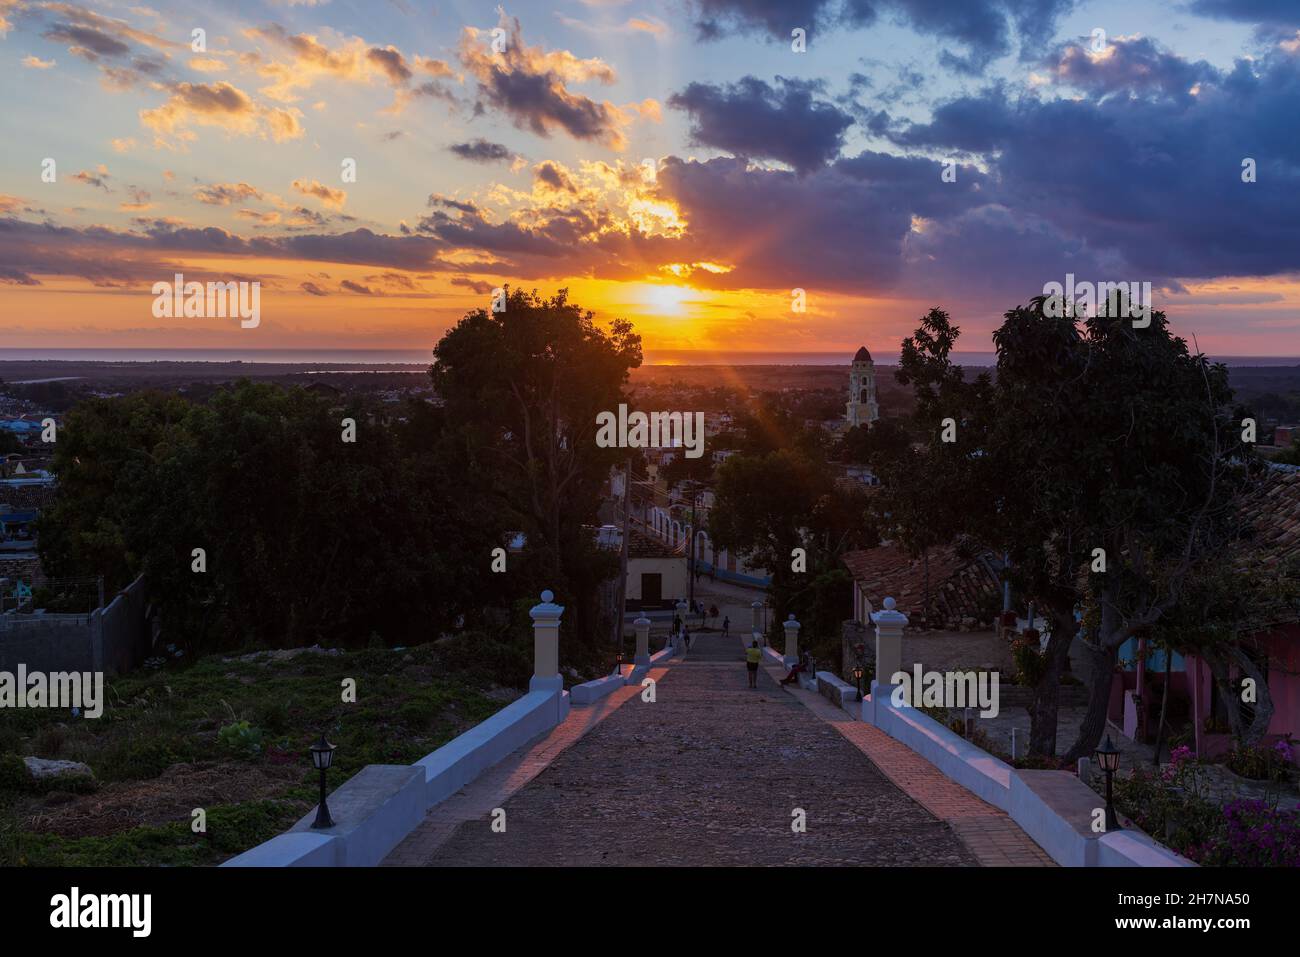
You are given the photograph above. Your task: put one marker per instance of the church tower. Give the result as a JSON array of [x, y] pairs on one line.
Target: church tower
[[862, 408]]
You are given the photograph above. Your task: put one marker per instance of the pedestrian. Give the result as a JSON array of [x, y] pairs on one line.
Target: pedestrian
[[677, 625], [686, 637], [726, 625], [713, 612], [752, 656]]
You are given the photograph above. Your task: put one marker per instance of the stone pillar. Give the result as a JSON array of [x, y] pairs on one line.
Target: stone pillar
[[679, 645], [642, 628], [756, 621], [889, 646], [546, 645], [791, 641]]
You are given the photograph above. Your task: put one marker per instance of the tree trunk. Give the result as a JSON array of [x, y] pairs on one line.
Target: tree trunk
[[1101, 668], [1258, 726], [1047, 693], [1164, 704]]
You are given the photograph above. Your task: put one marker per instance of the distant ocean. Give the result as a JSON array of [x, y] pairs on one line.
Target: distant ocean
[[378, 358]]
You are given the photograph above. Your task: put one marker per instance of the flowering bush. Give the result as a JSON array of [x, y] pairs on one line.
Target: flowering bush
[[1259, 763], [1257, 836]]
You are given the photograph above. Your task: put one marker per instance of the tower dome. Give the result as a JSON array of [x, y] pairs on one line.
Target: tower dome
[[863, 355]]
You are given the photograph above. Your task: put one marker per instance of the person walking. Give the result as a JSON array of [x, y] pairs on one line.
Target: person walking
[[713, 612], [726, 625], [753, 654], [686, 637]]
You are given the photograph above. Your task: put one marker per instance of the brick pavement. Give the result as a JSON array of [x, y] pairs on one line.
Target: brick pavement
[[989, 833], [709, 774]]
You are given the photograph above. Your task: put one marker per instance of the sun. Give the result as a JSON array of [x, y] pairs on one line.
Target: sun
[[665, 299]]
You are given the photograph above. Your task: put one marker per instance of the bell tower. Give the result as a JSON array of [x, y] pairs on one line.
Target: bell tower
[[862, 406]]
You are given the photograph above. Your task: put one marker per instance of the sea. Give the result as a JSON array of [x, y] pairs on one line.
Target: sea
[[379, 359]]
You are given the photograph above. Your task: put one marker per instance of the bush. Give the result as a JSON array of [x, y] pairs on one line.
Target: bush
[[1257, 836], [1028, 660], [241, 738], [1257, 762]]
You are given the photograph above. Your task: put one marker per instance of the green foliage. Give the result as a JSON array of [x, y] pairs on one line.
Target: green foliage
[[307, 538], [241, 738], [1257, 762]]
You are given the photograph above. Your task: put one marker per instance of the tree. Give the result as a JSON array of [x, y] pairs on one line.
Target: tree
[[1100, 461], [523, 387]]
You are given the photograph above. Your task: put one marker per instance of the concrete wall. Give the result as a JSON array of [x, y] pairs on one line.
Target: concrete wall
[[114, 639]]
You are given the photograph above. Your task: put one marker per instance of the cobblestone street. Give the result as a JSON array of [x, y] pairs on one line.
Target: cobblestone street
[[708, 774]]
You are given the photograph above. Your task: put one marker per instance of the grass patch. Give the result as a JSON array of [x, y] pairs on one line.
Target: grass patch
[[215, 721]]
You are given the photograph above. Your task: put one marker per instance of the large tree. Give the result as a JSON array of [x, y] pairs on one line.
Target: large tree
[[1102, 460], [524, 386]]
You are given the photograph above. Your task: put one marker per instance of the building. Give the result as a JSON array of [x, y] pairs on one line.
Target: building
[[863, 409], [965, 592], [656, 573]]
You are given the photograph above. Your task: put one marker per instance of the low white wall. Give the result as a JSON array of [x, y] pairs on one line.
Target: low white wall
[[291, 849], [590, 691], [466, 756], [973, 768], [840, 693], [1068, 843]]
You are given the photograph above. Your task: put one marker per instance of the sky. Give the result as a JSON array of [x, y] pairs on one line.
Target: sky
[[679, 163]]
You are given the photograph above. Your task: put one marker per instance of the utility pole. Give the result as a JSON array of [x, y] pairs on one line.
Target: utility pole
[[619, 610], [695, 510]]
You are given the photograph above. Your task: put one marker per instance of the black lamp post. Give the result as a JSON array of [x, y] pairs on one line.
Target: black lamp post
[[322, 755], [1108, 757], [857, 678], [618, 664]]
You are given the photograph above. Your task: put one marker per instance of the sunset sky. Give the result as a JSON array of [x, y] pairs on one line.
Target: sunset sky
[[768, 169]]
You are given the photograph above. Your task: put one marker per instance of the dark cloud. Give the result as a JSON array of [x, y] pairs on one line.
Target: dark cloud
[[313, 289], [1137, 65], [1151, 182], [531, 86], [1279, 13], [481, 151], [554, 176], [751, 118], [984, 27], [391, 63], [478, 286], [349, 286], [87, 42]]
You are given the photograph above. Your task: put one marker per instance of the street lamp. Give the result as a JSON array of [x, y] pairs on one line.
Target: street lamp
[[857, 677], [618, 664], [1108, 758], [322, 756]]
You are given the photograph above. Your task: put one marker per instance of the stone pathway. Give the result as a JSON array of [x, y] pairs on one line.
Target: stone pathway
[[710, 773]]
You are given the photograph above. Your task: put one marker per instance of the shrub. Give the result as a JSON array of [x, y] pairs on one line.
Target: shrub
[[1028, 659], [1257, 836], [1257, 762], [240, 738]]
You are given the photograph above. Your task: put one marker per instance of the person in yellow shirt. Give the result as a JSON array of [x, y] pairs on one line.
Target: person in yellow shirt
[[753, 655]]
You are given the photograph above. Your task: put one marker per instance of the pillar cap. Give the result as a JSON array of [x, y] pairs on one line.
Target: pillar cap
[[890, 616], [642, 622], [547, 611], [790, 624]]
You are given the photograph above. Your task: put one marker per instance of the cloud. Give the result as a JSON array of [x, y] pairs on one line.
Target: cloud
[[531, 86], [1127, 64], [139, 202], [36, 63], [554, 175], [99, 178], [750, 118], [328, 196], [478, 286], [481, 151], [313, 289], [984, 27], [349, 286], [223, 194], [217, 104]]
